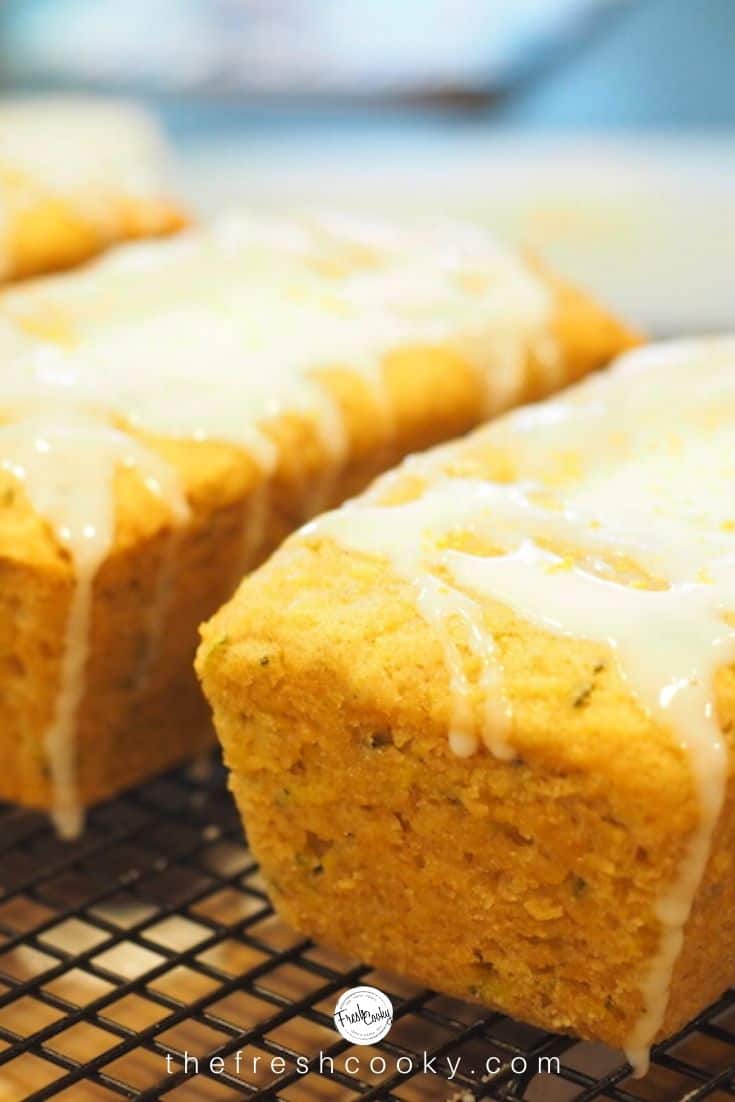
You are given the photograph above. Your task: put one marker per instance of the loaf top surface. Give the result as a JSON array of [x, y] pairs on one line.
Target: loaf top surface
[[76, 175], [256, 302], [560, 585], [207, 335]]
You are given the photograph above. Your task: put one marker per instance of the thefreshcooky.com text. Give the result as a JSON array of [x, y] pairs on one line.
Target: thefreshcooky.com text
[[240, 1064]]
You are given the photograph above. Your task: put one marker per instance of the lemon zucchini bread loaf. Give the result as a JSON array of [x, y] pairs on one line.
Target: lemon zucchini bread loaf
[[174, 410], [479, 720], [75, 177]]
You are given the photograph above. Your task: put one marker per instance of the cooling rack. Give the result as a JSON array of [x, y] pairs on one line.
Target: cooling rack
[[151, 940]]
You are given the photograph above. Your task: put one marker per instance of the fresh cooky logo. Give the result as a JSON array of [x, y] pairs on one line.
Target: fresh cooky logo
[[363, 1015]]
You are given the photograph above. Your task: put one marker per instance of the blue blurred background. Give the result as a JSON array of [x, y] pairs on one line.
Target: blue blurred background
[[518, 63]]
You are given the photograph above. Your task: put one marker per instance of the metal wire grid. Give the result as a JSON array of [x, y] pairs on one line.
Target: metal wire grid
[[152, 936]]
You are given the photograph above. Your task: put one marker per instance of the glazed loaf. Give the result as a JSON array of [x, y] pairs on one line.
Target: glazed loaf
[[479, 720], [174, 410], [75, 177]]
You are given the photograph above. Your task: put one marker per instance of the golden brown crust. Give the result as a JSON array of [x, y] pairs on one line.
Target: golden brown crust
[[126, 734], [48, 233], [530, 885], [588, 333]]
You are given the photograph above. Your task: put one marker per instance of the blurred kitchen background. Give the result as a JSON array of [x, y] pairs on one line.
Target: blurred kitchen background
[[600, 133]]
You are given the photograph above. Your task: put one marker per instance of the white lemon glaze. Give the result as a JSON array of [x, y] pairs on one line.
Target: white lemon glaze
[[619, 527], [206, 337]]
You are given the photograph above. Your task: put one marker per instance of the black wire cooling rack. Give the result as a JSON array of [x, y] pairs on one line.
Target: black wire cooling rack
[[152, 939]]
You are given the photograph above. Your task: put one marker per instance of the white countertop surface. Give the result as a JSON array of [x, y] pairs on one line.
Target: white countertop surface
[[646, 222]]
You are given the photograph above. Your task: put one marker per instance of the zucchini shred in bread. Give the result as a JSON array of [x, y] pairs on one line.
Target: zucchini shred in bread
[[77, 176], [175, 410], [478, 719]]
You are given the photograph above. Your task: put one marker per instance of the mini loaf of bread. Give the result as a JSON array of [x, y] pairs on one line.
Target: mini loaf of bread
[[479, 720], [173, 411], [75, 177]]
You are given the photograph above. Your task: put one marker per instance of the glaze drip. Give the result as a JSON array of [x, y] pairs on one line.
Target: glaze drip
[[66, 461]]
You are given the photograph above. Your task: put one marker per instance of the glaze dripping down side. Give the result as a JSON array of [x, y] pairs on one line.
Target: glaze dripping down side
[[66, 462]]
